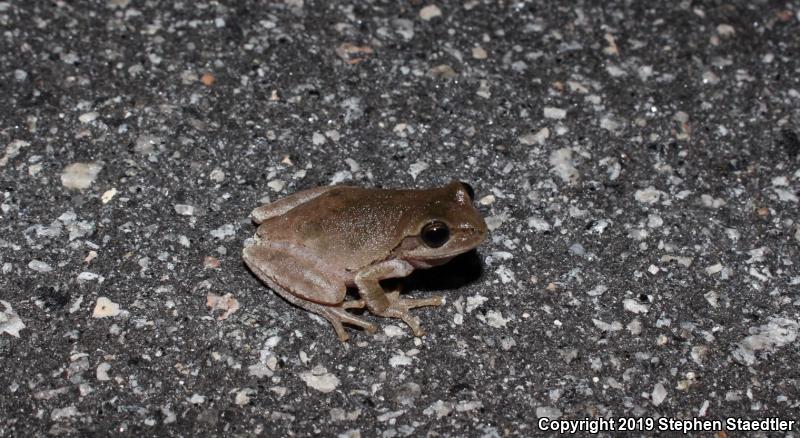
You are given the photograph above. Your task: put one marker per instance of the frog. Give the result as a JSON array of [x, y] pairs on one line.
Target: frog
[[311, 246]]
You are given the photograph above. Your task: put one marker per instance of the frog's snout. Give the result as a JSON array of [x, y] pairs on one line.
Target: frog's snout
[[482, 233], [479, 229], [474, 234]]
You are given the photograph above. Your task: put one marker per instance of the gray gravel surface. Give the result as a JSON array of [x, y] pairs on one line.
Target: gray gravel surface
[[637, 164]]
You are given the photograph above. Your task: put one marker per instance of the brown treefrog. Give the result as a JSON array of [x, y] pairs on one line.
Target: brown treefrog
[[312, 245]]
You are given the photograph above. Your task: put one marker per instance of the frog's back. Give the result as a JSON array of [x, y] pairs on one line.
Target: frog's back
[[350, 227]]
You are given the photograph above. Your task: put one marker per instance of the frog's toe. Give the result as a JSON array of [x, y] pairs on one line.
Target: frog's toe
[[353, 304], [424, 302], [352, 320], [399, 308], [337, 315], [339, 329], [412, 303], [413, 324]]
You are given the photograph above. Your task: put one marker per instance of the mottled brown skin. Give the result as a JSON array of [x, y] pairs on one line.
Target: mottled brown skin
[[314, 244]]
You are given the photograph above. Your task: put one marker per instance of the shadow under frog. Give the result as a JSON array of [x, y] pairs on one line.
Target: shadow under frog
[[462, 270]]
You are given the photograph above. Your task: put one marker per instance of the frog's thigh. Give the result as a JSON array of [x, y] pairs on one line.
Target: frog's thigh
[[295, 271], [283, 205]]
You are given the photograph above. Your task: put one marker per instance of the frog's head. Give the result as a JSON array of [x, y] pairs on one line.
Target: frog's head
[[444, 225]]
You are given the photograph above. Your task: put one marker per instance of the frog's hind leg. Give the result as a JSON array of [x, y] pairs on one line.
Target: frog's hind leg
[[312, 289], [283, 205], [336, 315]]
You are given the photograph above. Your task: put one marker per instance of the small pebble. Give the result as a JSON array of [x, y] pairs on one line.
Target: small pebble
[[549, 412], [430, 12], [108, 195], [88, 117], [217, 175], [102, 372], [538, 138], [39, 266], [224, 231], [80, 175], [104, 308], [554, 113], [276, 185], [649, 195], [320, 379], [659, 394], [208, 79], [184, 210], [318, 139], [417, 168]]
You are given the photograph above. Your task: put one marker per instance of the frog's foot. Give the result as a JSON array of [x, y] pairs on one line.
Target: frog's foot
[[338, 315], [399, 307]]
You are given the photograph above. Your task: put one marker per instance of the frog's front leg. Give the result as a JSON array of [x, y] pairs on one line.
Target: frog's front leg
[[391, 305]]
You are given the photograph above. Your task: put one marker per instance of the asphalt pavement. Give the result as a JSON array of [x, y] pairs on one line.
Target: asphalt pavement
[[636, 163]]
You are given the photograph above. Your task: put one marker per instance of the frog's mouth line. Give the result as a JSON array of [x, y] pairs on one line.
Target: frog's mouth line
[[422, 261], [429, 263]]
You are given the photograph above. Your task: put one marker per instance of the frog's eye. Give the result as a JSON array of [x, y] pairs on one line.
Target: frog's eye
[[435, 234], [470, 191]]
